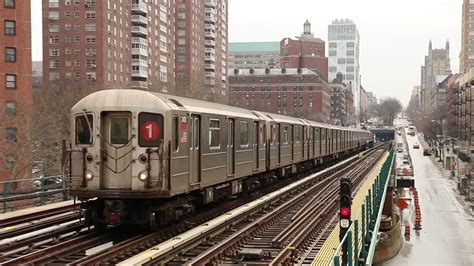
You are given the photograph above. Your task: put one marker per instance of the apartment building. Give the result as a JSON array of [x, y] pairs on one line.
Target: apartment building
[[16, 92]]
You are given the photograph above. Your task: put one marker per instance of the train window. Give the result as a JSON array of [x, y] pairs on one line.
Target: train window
[[261, 134], [244, 133], [285, 135], [175, 133], [274, 134], [214, 134], [316, 134], [151, 128], [119, 130], [297, 134], [84, 128]]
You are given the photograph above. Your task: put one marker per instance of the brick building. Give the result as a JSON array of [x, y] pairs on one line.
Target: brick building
[[292, 91], [201, 40], [16, 92], [305, 52], [466, 57], [342, 103]]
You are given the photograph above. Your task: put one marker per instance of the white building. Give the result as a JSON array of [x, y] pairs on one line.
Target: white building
[[343, 43]]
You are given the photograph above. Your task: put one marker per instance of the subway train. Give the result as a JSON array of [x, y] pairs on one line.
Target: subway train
[[145, 158]]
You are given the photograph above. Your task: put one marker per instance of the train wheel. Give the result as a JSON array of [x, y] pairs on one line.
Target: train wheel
[[95, 220]]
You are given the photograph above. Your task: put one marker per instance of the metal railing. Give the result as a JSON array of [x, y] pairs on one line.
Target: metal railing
[[23, 193]]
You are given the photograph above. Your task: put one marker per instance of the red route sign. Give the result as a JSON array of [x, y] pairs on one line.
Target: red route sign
[[402, 204], [150, 131]]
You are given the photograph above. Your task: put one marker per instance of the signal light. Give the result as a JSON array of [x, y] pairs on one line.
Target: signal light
[[345, 212]]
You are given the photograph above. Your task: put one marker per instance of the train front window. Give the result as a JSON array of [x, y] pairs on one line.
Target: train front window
[[119, 130], [84, 129]]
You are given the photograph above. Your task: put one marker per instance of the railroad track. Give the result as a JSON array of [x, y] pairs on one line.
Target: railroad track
[[14, 221], [281, 236]]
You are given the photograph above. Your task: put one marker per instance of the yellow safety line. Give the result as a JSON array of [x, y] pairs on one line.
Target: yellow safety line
[[325, 255]]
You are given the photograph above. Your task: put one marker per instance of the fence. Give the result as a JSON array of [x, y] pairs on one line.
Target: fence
[[22, 193]]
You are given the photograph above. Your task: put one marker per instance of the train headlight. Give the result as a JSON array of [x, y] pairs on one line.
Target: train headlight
[[143, 176], [89, 175]]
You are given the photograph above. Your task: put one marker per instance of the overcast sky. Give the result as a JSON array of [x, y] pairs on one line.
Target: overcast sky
[[394, 34]]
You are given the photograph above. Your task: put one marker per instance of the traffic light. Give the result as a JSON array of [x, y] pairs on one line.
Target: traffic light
[[345, 202]]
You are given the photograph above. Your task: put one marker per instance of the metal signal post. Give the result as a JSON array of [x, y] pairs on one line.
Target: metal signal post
[[345, 202]]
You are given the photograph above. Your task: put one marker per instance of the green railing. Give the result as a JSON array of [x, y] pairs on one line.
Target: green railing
[[23, 193], [361, 237]]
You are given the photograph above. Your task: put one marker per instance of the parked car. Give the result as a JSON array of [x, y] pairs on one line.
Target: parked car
[[427, 152], [416, 146]]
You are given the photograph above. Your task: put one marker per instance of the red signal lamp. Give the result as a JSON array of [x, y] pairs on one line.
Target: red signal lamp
[[345, 212]]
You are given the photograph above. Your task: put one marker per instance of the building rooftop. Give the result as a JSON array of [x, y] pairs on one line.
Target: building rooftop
[[237, 47], [274, 71]]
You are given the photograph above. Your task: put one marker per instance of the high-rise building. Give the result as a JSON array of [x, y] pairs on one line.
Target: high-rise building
[[305, 52], [466, 60], [437, 62], [16, 92], [256, 55], [201, 48], [343, 43], [109, 44]]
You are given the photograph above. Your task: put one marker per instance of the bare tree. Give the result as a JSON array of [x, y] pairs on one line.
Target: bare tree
[[51, 108], [388, 108]]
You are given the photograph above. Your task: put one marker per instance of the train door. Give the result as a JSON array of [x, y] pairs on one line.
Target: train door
[[116, 150], [279, 143], [230, 146], [292, 142], [256, 145], [310, 142], [303, 142], [195, 150]]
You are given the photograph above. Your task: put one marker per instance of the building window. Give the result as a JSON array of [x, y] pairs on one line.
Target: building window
[[90, 14], [91, 63], [53, 76], [67, 38], [90, 3], [341, 60], [90, 51], [53, 3], [10, 27], [10, 81], [77, 38], [11, 134], [90, 27], [350, 52], [67, 14], [350, 45], [54, 63], [332, 69], [350, 68], [9, 3], [10, 161], [10, 54], [54, 51], [53, 27], [68, 50], [10, 108], [350, 60], [333, 45], [90, 39], [54, 39], [53, 15], [77, 14], [332, 52]]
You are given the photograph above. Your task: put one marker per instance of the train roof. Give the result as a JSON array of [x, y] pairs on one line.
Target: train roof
[[130, 98]]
